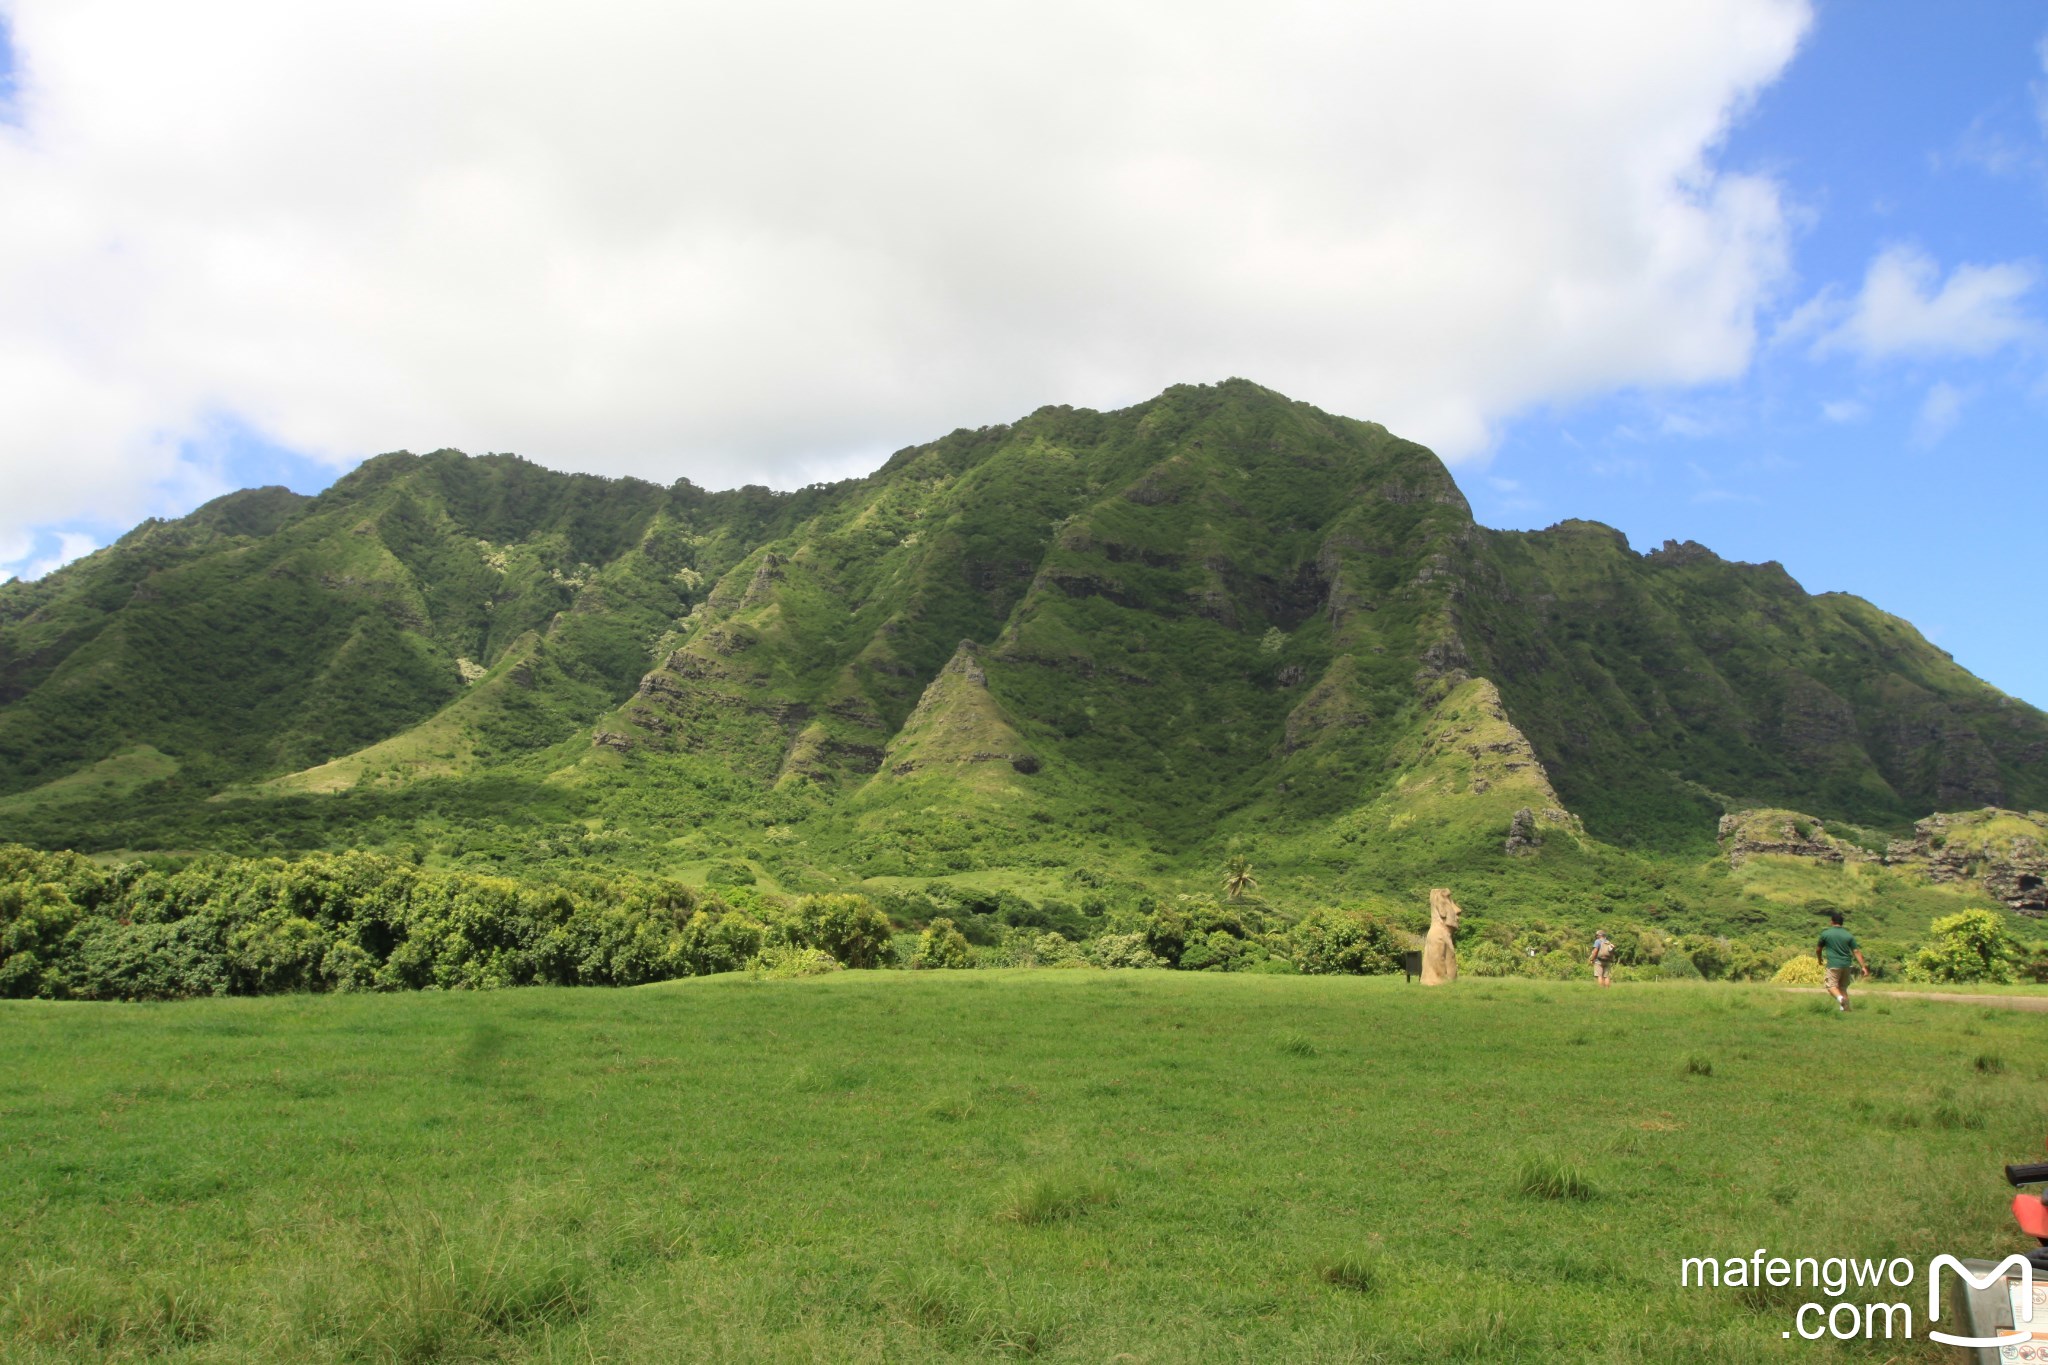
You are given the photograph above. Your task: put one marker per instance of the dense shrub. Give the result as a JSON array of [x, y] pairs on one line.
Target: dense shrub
[[358, 921], [942, 945], [718, 941], [1708, 957], [1332, 942], [849, 928], [783, 961], [1487, 958], [1800, 971], [1972, 946], [1056, 950], [1190, 932], [1122, 950], [1679, 966]]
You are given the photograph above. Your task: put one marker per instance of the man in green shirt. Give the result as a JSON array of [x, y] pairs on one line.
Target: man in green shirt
[[1836, 954]]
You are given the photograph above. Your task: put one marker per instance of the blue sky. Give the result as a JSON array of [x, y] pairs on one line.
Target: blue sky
[[1898, 126], [1766, 275]]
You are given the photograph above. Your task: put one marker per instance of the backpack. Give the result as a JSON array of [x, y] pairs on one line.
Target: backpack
[[1603, 951]]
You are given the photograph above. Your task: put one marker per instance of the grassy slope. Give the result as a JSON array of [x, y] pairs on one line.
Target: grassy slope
[[117, 775], [834, 1169]]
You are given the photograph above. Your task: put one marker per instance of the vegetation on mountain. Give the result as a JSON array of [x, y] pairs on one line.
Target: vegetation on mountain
[[1067, 667]]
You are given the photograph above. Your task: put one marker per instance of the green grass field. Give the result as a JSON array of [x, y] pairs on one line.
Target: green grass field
[[1072, 1165]]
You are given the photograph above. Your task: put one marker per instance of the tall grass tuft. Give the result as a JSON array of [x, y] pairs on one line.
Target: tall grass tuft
[[1054, 1198], [1698, 1065], [1948, 1114], [1554, 1177], [1989, 1063], [1297, 1045], [1360, 1274]]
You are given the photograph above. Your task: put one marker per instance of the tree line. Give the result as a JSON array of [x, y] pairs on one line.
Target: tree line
[[72, 928]]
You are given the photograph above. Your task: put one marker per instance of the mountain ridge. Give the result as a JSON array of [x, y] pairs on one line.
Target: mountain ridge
[[1216, 616]]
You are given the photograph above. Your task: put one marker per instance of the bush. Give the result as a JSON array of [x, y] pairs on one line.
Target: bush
[[1053, 950], [1800, 971], [1972, 946], [1487, 958], [35, 917], [1708, 957], [942, 945], [712, 942], [849, 928], [1190, 926], [1218, 951], [784, 962], [1345, 942], [1121, 950], [1681, 966]]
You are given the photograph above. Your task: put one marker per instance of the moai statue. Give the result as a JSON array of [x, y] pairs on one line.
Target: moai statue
[[1439, 955]]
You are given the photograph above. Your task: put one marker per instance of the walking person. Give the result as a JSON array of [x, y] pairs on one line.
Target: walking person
[[1837, 953], [1602, 958]]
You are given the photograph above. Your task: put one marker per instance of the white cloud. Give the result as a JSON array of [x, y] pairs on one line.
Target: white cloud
[[1907, 309], [18, 558], [1843, 410], [770, 241], [1939, 413]]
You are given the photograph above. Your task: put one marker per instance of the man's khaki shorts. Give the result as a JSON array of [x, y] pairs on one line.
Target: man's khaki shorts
[[1838, 979]]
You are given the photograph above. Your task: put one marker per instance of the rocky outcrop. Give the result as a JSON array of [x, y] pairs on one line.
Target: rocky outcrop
[[1522, 834], [2004, 851], [1788, 833]]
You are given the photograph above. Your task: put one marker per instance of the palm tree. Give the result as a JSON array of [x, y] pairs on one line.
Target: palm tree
[[1237, 876]]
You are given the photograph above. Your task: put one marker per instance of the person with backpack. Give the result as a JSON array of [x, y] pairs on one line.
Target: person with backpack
[[1837, 953], [1602, 958]]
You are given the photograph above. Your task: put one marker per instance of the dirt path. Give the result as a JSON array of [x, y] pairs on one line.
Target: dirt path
[[2037, 1003]]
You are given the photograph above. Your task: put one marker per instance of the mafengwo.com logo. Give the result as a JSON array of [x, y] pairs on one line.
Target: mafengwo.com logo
[[1849, 1319]]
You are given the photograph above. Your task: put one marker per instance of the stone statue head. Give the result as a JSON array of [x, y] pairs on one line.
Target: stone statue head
[[1442, 909]]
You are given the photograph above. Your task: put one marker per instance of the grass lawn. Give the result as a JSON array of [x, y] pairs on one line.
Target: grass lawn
[[1076, 1165]]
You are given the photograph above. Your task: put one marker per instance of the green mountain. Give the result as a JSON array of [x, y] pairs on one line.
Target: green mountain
[[1096, 645]]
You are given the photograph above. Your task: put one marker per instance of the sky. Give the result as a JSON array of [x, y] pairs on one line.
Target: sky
[[1763, 274]]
